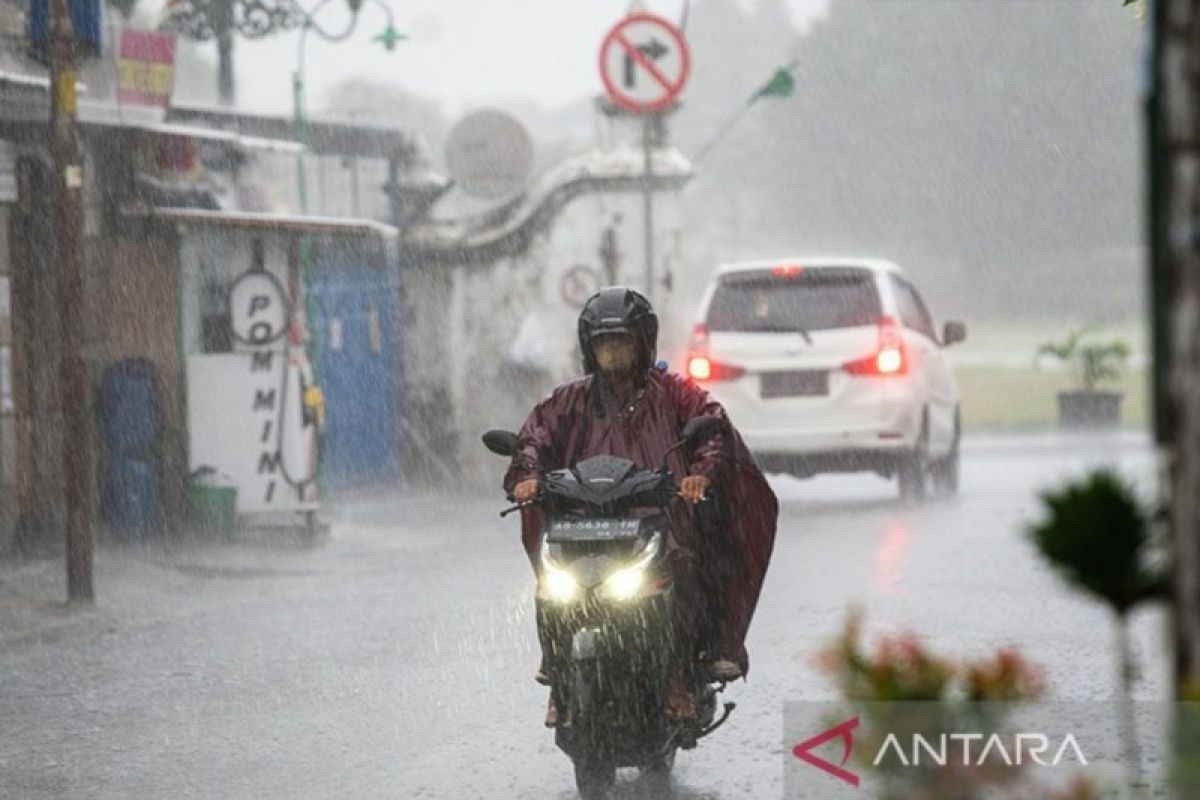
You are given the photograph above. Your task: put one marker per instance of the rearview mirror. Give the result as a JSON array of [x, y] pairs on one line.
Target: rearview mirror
[[502, 443], [699, 429], [954, 332]]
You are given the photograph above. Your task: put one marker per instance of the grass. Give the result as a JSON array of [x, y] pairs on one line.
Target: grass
[[1001, 390], [1011, 399]]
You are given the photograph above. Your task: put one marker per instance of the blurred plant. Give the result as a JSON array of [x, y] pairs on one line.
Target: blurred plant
[[1081, 787], [1096, 362], [903, 669], [1096, 534], [908, 689]]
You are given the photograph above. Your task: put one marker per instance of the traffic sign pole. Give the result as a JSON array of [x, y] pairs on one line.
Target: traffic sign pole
[[644, 64], [648, 207]]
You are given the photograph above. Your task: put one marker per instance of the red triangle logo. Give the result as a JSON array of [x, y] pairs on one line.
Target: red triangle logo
[[844, 731]]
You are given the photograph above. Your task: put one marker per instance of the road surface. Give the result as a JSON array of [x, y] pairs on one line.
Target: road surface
[[395, 660]]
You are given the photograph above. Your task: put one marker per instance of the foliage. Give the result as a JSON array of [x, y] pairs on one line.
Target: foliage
[[1095, 533], [903, 669], [1096, 362], [906, 688]]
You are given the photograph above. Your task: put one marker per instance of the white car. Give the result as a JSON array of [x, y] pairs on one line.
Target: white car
[[832, 365]]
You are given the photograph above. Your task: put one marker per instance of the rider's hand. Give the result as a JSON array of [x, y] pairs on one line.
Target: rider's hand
[[693, 487], [525, 491]]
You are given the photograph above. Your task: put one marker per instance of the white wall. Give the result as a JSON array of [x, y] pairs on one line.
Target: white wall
[[464, 374]]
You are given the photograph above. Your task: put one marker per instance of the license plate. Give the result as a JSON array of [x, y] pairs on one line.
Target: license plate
[[573, 530], [810, 383]]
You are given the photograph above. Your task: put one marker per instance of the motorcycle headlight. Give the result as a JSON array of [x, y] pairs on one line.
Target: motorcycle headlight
[[559, 584], [626, 583]]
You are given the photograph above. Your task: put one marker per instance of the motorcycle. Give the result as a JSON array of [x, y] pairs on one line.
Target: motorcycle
[[605, 598]]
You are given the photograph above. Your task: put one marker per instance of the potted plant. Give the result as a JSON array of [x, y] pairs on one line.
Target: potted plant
[[1089, 406]]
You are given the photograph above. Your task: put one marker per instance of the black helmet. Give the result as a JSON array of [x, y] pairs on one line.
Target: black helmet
[[618, 309]]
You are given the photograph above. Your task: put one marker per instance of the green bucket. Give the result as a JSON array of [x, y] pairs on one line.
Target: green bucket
[[212, 505]]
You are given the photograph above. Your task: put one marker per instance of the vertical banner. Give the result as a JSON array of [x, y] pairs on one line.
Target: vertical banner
[[145, 68]]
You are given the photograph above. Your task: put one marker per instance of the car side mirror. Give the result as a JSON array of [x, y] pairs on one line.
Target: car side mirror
[[502, 443], [699, 429], [953, 333]]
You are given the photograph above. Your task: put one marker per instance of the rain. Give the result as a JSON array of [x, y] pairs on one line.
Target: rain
[[895, 390]]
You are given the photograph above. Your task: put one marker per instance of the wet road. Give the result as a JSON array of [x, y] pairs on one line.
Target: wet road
[[396, 660]]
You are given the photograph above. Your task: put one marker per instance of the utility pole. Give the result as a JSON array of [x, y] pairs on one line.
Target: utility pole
[[1174, 147], [68, 218]]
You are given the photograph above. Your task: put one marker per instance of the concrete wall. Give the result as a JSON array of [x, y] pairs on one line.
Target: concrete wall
[[488, 337]]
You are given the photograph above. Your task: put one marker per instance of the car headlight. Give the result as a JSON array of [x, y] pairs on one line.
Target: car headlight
[[626, 583]]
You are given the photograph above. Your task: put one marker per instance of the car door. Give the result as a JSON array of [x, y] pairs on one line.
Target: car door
[[936, 375]]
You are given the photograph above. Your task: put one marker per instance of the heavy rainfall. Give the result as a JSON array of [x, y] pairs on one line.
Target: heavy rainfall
[[836, 359]]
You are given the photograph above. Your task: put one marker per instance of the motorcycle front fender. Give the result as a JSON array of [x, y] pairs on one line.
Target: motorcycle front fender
[[585, 645]]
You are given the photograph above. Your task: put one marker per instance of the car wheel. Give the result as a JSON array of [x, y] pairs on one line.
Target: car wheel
[[913, 473], [946, 472]]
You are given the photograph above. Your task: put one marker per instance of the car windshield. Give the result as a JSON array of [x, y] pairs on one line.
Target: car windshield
[[816, 299]]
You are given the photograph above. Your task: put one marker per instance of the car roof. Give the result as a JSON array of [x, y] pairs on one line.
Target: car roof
[[880, 265]]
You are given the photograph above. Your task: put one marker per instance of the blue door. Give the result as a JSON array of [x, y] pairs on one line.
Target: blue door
[[357, 367]]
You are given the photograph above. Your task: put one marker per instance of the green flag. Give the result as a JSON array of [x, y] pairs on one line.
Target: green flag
[[781, 85]]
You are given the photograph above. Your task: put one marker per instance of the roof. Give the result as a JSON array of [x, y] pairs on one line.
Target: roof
[[196, 132], [321, 136], [25, 102], [812, 262], [275, 222]]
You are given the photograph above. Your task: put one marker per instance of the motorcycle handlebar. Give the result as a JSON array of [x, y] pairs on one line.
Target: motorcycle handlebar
[[708, 495]]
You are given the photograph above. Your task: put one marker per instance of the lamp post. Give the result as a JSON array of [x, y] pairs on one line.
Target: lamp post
[[389, 38], [221, 20], [206, 20]]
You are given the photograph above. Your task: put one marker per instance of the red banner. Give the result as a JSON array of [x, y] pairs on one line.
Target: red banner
[[145, 68]]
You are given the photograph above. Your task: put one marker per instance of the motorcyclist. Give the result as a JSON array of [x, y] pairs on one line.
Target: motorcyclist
[[627, 406]]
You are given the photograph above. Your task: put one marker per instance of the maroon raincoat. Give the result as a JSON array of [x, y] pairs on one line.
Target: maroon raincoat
[[731, 545]]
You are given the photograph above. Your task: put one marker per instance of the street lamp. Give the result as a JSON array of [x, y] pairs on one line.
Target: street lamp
[[389, 38], [206, 20]]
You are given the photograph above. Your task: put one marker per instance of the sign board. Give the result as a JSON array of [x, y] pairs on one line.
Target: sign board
[[87, 25], [258, 308], [489, 154], [578, 284], [145, 68], [246, 421], [644, 63]]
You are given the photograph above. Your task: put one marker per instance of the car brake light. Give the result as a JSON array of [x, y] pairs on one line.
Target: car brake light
[[889, 359], [787, 271], [703, 368]]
